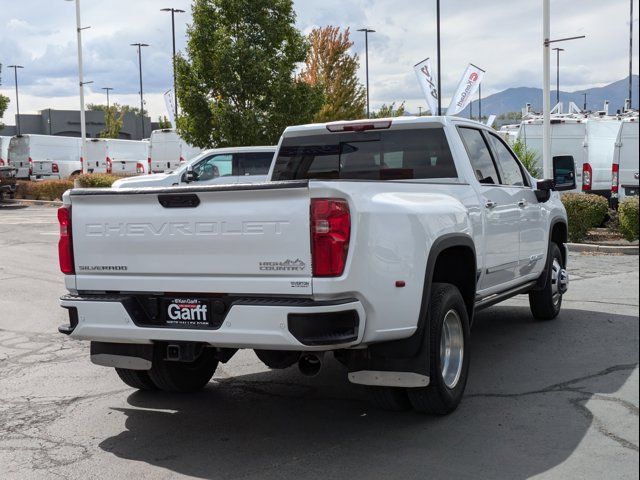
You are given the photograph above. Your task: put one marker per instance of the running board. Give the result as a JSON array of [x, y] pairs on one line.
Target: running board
[[500, 297]]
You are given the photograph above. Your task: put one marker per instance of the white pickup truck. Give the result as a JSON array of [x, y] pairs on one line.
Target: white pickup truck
[[375, 240]]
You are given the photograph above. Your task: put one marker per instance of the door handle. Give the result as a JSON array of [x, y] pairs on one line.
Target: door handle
[[490, 204], [522, 203]]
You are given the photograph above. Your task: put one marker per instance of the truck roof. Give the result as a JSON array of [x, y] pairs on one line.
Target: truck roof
[[271, 148], [396, 122]]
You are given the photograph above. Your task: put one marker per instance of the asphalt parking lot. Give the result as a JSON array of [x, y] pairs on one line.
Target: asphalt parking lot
[[546, 400]]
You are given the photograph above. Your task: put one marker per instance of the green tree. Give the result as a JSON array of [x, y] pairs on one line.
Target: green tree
[[4, 103], [387, 111], [236, 84], [113, 119], [330, 67], [163, 122]]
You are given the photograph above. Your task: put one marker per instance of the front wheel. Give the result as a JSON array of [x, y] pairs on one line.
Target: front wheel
[[448, 337], [546, 303]]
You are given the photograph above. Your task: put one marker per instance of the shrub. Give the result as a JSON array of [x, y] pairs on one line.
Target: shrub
[[584, 212], [45, 190], [529, 158], [96, 180], [628, 215]]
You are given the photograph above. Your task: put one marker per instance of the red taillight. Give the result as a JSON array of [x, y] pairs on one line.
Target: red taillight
[[615, 177], [330, 233], [30, 166], [1, 163], [182, 159], [587, 177], [65, 244], [149, 163], [109, 165], [54, 168], [139, 167], [82, 164]]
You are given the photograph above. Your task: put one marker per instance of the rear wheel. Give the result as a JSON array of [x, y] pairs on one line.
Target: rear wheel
[[390, 398], [182, 376], [546, 303], [448, 338], [136, 379]]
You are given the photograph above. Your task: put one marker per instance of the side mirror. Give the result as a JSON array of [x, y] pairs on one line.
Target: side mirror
[[543, 190], [564, 173], [189, 175]]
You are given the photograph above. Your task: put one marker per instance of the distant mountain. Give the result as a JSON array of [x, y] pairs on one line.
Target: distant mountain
[[514, 99]]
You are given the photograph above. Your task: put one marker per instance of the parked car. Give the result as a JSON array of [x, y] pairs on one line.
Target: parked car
[[625, 170], [167, 150], [376, 240], [7, 181], [108, 155], [212, 167], [4, 151], [45, 156]]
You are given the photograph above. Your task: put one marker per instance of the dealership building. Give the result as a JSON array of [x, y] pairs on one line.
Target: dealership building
[[66, 123]]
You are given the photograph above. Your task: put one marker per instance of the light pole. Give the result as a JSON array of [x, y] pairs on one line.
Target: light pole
[[631, 55], [439, 62], [585, 102], [81, 83], [546, 84], [173, 32], [139, 46], [107, 90], [480, 101], [15, 74], [367, 31], [558, 50]]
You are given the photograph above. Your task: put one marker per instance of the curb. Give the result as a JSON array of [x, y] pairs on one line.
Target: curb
[[28, 202], [611, 249]]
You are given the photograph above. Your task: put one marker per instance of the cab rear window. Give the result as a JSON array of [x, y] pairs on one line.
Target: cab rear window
[[374, 155]]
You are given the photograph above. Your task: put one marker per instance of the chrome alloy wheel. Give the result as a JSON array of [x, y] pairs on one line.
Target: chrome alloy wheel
[[559, 281], [451, 349]]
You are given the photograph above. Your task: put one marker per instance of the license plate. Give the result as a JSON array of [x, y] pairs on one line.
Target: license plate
[[187, 313]]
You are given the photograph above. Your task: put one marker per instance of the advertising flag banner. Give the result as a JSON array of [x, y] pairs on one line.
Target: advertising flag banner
[[466, 89], [169, 102], [427, 81]]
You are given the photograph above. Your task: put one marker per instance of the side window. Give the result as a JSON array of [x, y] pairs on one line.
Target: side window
[[214, 167], [510, 171], [254, 163], [480, 156]]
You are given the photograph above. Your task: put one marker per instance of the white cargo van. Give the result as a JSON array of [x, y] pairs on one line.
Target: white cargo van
[[167, 150], [602, 134], [567, 139], [109, 155], [4, 151], [45, 156], [625, 171]]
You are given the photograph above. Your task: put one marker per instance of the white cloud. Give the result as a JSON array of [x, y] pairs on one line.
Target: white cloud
[[502, 37]]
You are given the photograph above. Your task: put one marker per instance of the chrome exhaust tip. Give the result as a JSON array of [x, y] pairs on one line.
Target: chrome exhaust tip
[[310, 364]]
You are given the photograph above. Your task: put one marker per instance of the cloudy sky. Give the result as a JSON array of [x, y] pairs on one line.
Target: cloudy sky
[[501, 36]]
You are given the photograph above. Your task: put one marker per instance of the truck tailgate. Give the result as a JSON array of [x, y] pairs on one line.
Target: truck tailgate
[[244, 239]]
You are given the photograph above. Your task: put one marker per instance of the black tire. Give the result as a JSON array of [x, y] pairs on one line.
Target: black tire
[[182, 376], [136, 379], [390, 398], [542, 302], [438, 398]]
